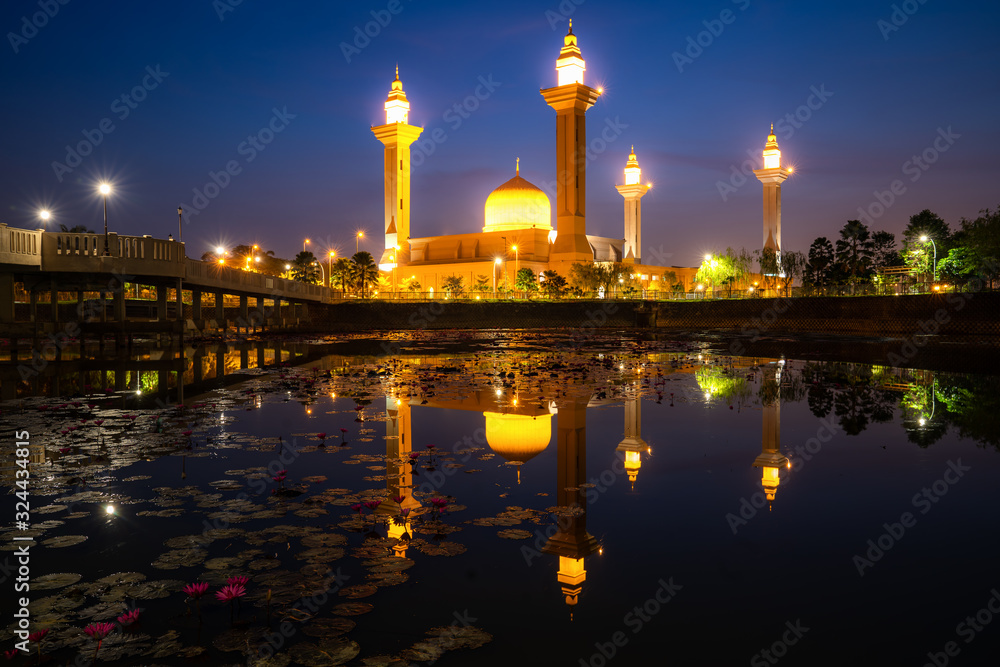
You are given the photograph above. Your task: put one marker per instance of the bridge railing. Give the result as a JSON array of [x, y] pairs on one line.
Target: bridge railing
[[224, 278], [143, 255], [20, 246]]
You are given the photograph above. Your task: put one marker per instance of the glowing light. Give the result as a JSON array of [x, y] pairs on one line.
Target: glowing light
[[361, 235], [791, 169], [499, 391], [104, 189], [219, 250], [109, 509], [514, 248], [922, 421], [600, 91], [708, 258], [923, 238], [288, 267], [600, 551], [44, 214], [222, 261]]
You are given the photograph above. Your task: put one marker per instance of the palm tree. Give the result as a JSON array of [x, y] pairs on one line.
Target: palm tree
[[365, 271], [304, 268], [342, 273]]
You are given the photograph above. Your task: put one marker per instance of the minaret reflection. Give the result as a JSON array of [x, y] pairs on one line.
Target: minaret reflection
[[632, 446], [770, 460], [572, 543], [398, 471]]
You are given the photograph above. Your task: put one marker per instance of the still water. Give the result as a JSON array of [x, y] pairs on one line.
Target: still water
[[492, 499]]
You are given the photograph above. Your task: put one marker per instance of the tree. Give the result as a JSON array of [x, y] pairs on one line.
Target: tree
[[365, 271], [342, 273], [884, 252], [483, 283], [982, 238], [526, 281], [453, 285], [854, 251], [792, 264], [586, 277], [411, 285], [820, 267], [553, 285], [770, 266], [959, 266], [305, 269], [717, 270], [917, 254], [76, 229]]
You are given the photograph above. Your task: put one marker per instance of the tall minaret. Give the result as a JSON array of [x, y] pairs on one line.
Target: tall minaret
[[771, 460], [397, 135], [571, 99], [772, 176], [632, 191], [632, 445], [571, 542]]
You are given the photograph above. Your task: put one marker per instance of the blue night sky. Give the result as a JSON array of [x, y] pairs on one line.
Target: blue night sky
[[886, 95]]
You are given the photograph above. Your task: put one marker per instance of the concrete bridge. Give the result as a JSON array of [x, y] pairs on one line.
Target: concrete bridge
[[44, 264]]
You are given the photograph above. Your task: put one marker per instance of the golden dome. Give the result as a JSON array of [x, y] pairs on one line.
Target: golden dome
[[517, 204], [518, 438]]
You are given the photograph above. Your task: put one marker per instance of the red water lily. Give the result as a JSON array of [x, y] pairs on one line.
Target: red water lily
[[231, 592], [129, 617], [99, 631], [238, 580]]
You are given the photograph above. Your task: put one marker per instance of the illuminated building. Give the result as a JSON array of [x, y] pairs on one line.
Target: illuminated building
[[632, 445], [633, 191], [772, 176], [517, 230]]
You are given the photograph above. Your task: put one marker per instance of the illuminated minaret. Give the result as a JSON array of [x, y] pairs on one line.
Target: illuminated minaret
[[397, 135], [632, 445], [632, 191], [398, 470], [772, 176], [571, 99], [771, 461], [572, 543]]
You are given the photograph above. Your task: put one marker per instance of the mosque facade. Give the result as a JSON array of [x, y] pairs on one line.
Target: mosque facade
[[518, 229]]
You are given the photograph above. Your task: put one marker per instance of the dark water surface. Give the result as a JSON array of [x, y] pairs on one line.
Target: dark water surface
[[620, 502]]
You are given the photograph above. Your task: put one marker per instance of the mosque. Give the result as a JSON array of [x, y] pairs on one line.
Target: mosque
[[517, 228]]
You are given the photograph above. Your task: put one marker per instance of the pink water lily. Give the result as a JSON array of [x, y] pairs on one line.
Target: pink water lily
[[129, 617], [357, 507], [372, 504], [238, 580], [321, 436], [196, 590], [231, 592], [38, 635], [99, 631]]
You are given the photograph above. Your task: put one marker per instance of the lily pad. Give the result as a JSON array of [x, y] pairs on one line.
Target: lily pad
[[352, 608], [48, 582], [64, 541], [514, 534], [328, 653], [329, 627]]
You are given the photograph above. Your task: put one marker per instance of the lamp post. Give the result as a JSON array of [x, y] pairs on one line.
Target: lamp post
[[321, 271], [392, 259], [180, 228], [496, 263], [45, 215], [357, 242], [305, 242], [517, 265], [925, 239], [105, 190], [329, 262]]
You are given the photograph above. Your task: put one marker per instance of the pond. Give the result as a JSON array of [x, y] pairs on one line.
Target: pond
[[488, 498]]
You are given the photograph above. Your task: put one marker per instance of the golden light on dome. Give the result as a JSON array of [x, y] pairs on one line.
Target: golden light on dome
[[518, 438], [570, 64], [772, 156], [517, 204], [633, 173], [397, 108]]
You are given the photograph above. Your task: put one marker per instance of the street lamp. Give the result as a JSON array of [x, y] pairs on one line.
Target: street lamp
[[357, 242], [496, 263], [105, 190], [45, 215], [305, 242], [180, 229], [925, 239], [330, 257], [516, 264]]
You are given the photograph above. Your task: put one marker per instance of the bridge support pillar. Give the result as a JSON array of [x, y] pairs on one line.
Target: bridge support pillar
[[220, 312], [119, 307], [33, 306], [180, 302], [161, 302], [244, 316], [196, 304], [54, 300], [6, 298]]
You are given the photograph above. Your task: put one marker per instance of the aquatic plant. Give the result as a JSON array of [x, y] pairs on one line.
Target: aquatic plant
[[195, 591], [99, 631], [128, 618]]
